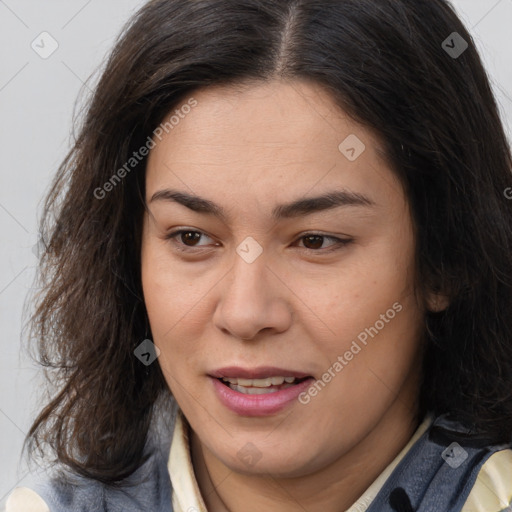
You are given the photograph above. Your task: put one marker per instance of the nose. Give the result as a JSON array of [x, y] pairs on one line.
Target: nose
[[253, 298]]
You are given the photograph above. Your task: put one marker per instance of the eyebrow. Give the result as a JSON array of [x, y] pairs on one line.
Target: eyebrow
[[300, 207]]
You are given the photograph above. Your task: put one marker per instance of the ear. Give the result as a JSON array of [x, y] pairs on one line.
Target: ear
[[436, 301]]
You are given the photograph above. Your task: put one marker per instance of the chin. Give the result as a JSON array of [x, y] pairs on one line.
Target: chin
[[274, 468], [269, 462]]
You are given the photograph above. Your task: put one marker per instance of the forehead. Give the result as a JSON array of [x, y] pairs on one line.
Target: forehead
[[274, 114], [266, 140]]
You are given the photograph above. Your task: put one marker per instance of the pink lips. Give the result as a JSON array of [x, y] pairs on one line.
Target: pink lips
[[257, 405]]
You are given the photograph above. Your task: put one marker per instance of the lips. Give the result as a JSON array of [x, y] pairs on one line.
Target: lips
[[258, 391]]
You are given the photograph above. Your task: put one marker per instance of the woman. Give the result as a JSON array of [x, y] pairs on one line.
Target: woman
[[278, 276]]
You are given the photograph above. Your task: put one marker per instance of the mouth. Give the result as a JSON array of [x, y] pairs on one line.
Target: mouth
[[262, 391]]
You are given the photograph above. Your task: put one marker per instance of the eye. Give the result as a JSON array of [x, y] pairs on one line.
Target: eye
[[186, 239], [314, 242]]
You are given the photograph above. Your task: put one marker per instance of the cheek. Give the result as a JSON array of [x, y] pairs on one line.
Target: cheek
[[171, 294], [376, 330], [354, 296], [178, 309], [374, 321], [167, 299]]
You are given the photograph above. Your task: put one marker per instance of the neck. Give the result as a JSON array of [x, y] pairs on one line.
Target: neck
[[332, 489]]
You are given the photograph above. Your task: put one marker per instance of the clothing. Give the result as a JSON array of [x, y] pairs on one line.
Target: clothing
[[430, 474]]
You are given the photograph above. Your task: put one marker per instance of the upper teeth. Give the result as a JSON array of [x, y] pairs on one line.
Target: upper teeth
[[259, 383]]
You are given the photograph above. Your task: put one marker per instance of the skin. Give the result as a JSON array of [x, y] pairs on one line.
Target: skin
[[297, 306]]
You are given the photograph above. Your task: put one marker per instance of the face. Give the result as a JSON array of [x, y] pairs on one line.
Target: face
[[248, 273]]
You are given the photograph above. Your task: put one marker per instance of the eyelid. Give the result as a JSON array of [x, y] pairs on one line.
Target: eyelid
[[339, 242]]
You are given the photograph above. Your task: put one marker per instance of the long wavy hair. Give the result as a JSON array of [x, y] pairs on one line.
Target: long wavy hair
[[385, 64]]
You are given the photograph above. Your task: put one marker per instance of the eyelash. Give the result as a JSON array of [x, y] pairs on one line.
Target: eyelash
[[340, 243]]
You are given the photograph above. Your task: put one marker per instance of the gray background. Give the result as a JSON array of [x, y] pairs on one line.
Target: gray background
[[37, 98]]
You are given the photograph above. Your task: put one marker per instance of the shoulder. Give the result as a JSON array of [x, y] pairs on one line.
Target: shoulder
[[56, 489], [149, 488], [492, 491], [57, 495], [23, 499]]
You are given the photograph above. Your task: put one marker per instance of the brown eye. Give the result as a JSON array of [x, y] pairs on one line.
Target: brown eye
[[190, 237], [187, 239], [313, 241]]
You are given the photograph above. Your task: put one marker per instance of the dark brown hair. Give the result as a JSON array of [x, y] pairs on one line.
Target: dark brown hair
[[384, 63]]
